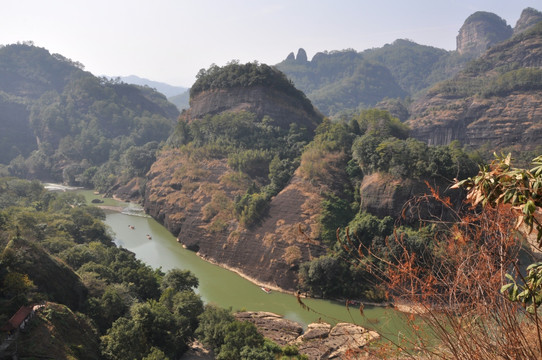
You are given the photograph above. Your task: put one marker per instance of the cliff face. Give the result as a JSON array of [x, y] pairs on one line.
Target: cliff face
[[199, 213], [528, 18], [259, 100], [496, 100], [384, 195], [480, 31], [512, 120], [196, 193]]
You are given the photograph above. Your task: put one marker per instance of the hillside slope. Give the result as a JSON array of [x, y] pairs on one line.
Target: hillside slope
[[61, 123], [336, 81], [495, 101], [225, 186]]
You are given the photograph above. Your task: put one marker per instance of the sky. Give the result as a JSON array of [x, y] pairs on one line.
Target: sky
[[171, 40]]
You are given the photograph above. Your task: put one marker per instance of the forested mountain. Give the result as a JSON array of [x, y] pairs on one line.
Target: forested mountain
[[177, 95], [493, 103], [251, 165], [181, 100], [341, 80], [336, 81], [61, 123], [230, 154]]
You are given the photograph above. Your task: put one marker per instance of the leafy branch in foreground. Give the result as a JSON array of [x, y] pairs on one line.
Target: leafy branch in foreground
[[454, 285], [500, 183]]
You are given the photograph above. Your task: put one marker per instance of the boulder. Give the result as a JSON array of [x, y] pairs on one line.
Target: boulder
[[320, 341]]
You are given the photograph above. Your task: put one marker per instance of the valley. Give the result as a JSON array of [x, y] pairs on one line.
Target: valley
[[324, 190]]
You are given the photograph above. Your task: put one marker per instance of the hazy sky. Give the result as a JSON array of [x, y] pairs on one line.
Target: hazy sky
[[170, 40]]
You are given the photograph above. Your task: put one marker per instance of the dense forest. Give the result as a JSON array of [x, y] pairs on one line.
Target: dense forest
[[100, 300], [371, 142], [63, 124]]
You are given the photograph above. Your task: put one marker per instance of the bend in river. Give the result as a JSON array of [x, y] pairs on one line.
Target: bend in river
[[157, 247]]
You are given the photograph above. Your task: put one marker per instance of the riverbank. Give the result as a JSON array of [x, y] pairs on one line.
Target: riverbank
[[345, 303], [111, 208], [246, 277]]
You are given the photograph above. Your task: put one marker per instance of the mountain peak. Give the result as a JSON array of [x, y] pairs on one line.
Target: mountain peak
[[480, 31], [528, 18]]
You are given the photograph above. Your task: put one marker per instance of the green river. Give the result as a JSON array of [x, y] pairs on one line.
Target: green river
[[225, 288]]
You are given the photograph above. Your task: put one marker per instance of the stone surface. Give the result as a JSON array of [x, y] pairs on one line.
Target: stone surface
[[321, 341], [508, 118], [528, 18], [384, 195], [341, 341], [480, 31], [273, 326]]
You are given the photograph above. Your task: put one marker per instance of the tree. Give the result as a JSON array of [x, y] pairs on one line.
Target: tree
[[213, 325], [239, 336], [456, 285], [124, 340], [501, 184], [179, 280]]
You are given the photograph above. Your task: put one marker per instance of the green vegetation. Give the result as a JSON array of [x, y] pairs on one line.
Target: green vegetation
[[231, 339], [91, 131], [502, 70], [264, 154], [55, 248], [338, 158], [522, 79], [337, 81], [413, 65], [102, 301], [342, 80]]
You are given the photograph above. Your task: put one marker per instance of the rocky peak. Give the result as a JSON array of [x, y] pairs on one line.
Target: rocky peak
[[480, 31], [528, 18], [251, 87], [301, 55], [495, 102]]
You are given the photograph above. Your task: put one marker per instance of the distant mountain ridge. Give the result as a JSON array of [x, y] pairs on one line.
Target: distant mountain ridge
[[166, 89], [177, 95], [336, 81]]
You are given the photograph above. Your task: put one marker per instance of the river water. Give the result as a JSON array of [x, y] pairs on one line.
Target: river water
[[226, 288]]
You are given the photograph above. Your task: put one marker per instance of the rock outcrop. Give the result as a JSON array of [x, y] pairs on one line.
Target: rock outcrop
[[272, 326], [512, 120], [269, 253], [529, 17], [259, 100], [495, 101], [480, 31], [195, 196], [385, 195], [320, 341]]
